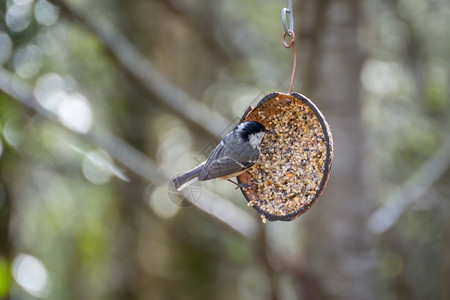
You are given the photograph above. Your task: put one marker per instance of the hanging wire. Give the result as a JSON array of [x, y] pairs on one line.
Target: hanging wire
[[289, 30]]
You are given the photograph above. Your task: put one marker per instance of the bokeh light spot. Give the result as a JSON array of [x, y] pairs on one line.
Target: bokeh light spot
[[46, 13], [381, 77], [97, 166], [30, 274], [161, 204], [18, 17], [12, 134], [6, 47], [75, 112], [28, 61], [49, 91]]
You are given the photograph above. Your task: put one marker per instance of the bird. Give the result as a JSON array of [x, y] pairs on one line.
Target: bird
[[237, 152]]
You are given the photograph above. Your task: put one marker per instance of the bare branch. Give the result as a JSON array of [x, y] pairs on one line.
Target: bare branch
[[411, 191], [136, 161], [142, 70]]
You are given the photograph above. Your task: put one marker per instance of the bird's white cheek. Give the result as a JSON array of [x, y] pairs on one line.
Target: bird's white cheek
[[255, 139]]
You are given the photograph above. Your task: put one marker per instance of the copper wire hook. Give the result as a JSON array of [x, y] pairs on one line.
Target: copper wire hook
[[294, 64]]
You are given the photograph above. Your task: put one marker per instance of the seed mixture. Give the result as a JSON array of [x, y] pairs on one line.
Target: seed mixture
[[294, 163]]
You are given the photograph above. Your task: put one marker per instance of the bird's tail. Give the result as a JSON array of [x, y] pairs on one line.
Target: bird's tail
[[185, 179]]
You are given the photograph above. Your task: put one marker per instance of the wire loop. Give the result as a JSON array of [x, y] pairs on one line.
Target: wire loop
[[292, 42], [294, 64]]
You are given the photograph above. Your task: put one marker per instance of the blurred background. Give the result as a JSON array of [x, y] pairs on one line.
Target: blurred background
[[102, 102]]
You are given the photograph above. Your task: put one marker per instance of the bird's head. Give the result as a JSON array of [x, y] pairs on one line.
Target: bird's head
[[252, 132]]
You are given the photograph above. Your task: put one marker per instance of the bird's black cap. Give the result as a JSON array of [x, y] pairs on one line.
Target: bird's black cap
[[251, 127]]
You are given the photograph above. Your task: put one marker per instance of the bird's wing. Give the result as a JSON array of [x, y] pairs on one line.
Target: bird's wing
[[225, 161], [223, 167]]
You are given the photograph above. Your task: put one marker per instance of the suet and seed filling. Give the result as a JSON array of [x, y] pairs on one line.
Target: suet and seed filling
[[295, 158]]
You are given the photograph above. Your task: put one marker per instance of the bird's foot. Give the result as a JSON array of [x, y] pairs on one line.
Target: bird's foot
[[239, 185]]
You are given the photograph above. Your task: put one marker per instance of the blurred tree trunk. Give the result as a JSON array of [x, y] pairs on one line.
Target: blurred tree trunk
[[339, 245]]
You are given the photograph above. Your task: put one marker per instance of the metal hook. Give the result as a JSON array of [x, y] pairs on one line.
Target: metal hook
[[290, 27]]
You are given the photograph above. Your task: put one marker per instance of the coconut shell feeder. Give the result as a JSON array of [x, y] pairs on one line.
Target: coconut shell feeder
[[295, 159]]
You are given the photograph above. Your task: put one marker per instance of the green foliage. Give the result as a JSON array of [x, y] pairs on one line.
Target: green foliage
[[5, 278]]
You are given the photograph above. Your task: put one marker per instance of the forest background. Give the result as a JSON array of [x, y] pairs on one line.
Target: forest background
[[102, 102]]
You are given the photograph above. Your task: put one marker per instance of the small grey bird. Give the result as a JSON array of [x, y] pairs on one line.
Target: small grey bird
[[237, 152]]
